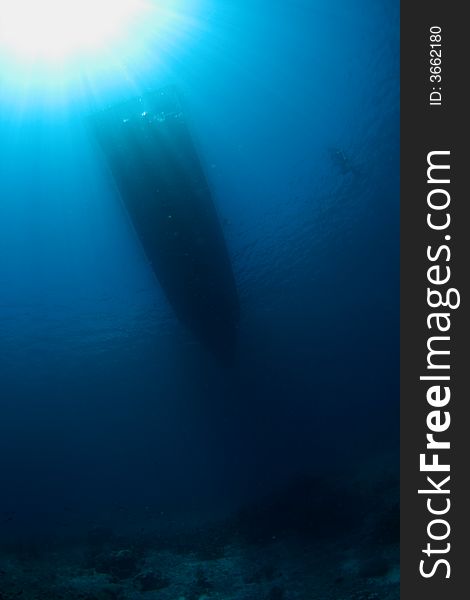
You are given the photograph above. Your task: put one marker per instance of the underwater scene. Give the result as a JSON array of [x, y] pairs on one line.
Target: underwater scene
[[199, 300]]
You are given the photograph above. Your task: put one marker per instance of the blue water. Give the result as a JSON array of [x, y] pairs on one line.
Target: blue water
[[108, 406]]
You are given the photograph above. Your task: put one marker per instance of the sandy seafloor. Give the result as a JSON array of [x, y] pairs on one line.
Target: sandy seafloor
[[294, 545]]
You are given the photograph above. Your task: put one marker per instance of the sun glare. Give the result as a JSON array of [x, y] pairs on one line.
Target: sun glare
[[57, 30]]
